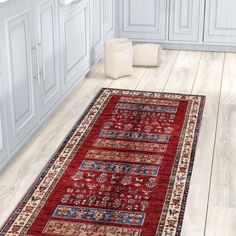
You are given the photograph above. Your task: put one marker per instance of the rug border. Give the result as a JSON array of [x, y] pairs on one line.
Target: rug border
[[191, 164], [148, 91], [61, 146]]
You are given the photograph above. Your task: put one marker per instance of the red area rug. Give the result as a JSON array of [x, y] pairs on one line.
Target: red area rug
[[124, 170]]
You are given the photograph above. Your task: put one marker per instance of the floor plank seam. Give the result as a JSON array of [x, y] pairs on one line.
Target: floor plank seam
[[200, 59], [141, 77], [171, 71]]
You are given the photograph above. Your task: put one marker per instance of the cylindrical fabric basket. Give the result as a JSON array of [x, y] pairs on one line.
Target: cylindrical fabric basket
[[147, 55], [118, 58]]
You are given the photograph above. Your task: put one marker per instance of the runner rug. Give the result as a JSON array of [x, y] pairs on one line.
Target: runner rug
[[124, 170]]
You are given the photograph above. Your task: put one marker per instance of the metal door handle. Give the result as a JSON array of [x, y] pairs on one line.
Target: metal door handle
[[75, 2], [43, 61], [1, 67], [37, 61]]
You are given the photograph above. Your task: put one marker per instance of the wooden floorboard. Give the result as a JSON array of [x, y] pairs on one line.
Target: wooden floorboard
[[221, 216], [155, 78], [208, 82], [184, 72], [129, 82], [211, 205]]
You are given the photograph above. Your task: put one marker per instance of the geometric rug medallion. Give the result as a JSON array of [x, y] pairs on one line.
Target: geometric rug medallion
[[124, 170]]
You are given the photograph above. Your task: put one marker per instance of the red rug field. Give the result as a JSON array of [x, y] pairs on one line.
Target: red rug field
[[124, 170]]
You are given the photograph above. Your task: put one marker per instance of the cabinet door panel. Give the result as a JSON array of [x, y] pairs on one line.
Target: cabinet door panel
[[97, 29], [141, 19], [185, 20], [3, 138], [17, 37], [220, 26], [3, 152], [110, 19], [20, 85], [74, 35], [74, 43], [47, 35]]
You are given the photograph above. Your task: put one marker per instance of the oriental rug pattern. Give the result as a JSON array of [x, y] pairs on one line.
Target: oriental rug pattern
[[124, 170]]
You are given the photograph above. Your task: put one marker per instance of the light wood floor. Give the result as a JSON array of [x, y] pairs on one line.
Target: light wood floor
[[211, 206]]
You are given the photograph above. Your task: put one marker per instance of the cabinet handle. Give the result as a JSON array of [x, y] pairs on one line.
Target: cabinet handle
[[67, 2], [105, 12], [3, 1], [1, 66], [75, 2], [43, 61], [37, 62]]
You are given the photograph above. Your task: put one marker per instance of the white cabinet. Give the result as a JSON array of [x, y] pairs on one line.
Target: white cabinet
[[220, 21], [3, 147], [44, 55], [75, 43], [47, 54], [110, 18], [180, 24], [142, 19], [96, 29], [16, 42], [3, 138], [102, 25], [186, 19]]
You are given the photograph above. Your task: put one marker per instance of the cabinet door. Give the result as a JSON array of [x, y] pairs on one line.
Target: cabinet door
[[220, 26], [16, 41], [74, 38], [110, 19], [47, 46], [3, 138], [185, 20], [97, 29], [142, 19]]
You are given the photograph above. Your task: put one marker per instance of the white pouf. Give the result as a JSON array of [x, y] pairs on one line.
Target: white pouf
[[118, 58], [147, 55]]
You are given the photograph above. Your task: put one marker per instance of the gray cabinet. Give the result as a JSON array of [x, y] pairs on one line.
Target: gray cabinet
[[220, 26], [186, 19], [102, 25], [3, 138], [16, 38], [110, 18], [74, 42], [39, 60], [180, 24], [96, 29], [3, 147], [142, 19], [47, 55]]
